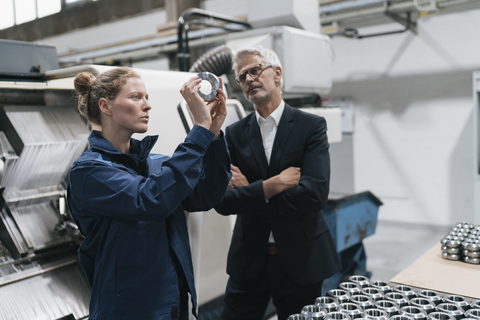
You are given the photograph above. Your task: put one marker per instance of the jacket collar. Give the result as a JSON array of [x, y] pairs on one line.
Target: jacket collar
[[139, 147]]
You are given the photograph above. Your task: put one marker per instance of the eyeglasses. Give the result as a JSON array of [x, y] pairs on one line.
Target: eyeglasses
[[254, 72]]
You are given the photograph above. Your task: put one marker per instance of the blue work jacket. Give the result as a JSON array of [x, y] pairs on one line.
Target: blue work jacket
[[130, 208]]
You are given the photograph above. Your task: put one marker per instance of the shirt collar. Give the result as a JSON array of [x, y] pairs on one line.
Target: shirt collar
[[276, 114]]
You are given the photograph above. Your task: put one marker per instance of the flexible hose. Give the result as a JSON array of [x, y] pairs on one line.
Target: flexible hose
[[217, 61]]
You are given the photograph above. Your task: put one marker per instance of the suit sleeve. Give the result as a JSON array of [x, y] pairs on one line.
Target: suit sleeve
[[214, 180], [242, 200], [311, 194]]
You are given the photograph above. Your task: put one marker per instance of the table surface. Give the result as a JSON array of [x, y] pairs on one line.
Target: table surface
[[432, 272]]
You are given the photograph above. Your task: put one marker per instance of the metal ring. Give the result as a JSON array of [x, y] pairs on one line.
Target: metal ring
[[406, 290], [328, 303], [365, 302], [210, 77], [471, 254], [475, 304], [457, 300], [383, 286], [401, 317], [438, 315], [314, 312], [472, 260], [390, 307], [454, 257], [350, 287], [339, 294], [473, 246], [297, 316], [414, 312], [431, 295], [374, 293], [375, 314], [450, 308], [335, 315], [450, 250], [473, 313], [423, 303], [362, 281], [451, 243]]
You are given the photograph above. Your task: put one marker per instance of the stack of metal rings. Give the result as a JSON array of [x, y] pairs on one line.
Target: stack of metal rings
[[462, 243], [362, 299]]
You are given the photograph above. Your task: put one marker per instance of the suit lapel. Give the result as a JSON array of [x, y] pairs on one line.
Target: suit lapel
[[254, 137], [283, 132]]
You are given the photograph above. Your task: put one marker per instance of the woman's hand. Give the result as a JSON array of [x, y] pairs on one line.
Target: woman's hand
[[200, 111], [209, 115]]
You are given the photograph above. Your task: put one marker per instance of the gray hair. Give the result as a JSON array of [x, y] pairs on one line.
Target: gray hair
[[267, 56]]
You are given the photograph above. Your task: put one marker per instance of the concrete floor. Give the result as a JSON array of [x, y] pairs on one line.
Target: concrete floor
[[394, 246]]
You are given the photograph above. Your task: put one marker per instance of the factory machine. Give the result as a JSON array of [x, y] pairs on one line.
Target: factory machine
[[42, 133]]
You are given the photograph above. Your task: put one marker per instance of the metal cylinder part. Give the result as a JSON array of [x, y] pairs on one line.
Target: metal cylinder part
[[375, 314], [297, 316], [352, 309], [473, 313], [452, 309], [438, 315], [335, 315], [362, 281], [314, 312], [453, 257], [457, 300], [473, 245], [471, 254], [350, 287], [475, 304], [450, 250], [383, 286], [414, 312], [398, 298], [472, 260], [210, 77], [390, 307], [374, 293], [406, 290], [328, 303], [422, 303], [451, 242], [339, 294], [401, 317], [431, 295], [365, 302]]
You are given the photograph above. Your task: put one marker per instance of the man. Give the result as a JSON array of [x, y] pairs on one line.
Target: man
[[281, 246]]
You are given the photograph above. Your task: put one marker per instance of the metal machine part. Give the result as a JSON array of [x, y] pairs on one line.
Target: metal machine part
[[413, 312], [374, 293], [423, 303], [350, 287], [339, 294], [473, 313], [457, 300], [431, 295], [352, 309], [328, 303], [375, 314], [297, 316], [362, 281], [398, 298], [390, 307], [475, 304], [335, 315], [406, 290], [313, 312], [452, 309], [383, 286], [365, 302], [401, 317], [439, 315], [213, 80]]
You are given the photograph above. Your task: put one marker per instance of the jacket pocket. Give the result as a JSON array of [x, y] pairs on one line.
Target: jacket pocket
[[315, 230]]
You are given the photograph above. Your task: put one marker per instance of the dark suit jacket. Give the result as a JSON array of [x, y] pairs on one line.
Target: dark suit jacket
[[304, 243]]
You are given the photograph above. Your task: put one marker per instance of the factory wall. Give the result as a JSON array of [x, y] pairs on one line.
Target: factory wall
[[413, 139]]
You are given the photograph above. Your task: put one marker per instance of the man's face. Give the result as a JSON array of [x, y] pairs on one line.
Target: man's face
[[257, 89]]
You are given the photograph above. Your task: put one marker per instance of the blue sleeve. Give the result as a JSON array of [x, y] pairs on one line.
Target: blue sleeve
[[211, 187], [98, 188]]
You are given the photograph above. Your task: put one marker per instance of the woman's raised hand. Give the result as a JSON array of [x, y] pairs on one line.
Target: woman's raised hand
[[210, 115]]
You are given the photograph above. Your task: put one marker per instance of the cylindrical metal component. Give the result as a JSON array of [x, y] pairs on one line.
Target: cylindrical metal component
[[472, 260], [390, 307], [414, 312], [453, 257], [374, 293], [451, 250], [398, 298], [431, 295], [350, 287], [438, 315], [339, 294], [457, 300], [452, 309], [328, 303], [406, 290], [451, 242], [422, 303], [210, 77], [471, 254], [473, 313], [297, 316], [352, 309], [473, 245], [401, 317], [365, 302], [314, 312], [383, 286], [360, 280], [475, 304], [375, 314], [335, 315]]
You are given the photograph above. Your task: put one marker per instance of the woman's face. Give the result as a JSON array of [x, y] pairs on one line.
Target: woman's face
[[130, 108]]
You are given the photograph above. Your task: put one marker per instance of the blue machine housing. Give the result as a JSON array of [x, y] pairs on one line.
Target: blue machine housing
[[351, 219]]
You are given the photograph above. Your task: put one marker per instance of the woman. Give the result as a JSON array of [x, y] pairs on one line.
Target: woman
[[129, 204]]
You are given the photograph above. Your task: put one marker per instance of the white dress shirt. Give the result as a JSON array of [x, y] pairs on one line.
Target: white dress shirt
[[268, 129]]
